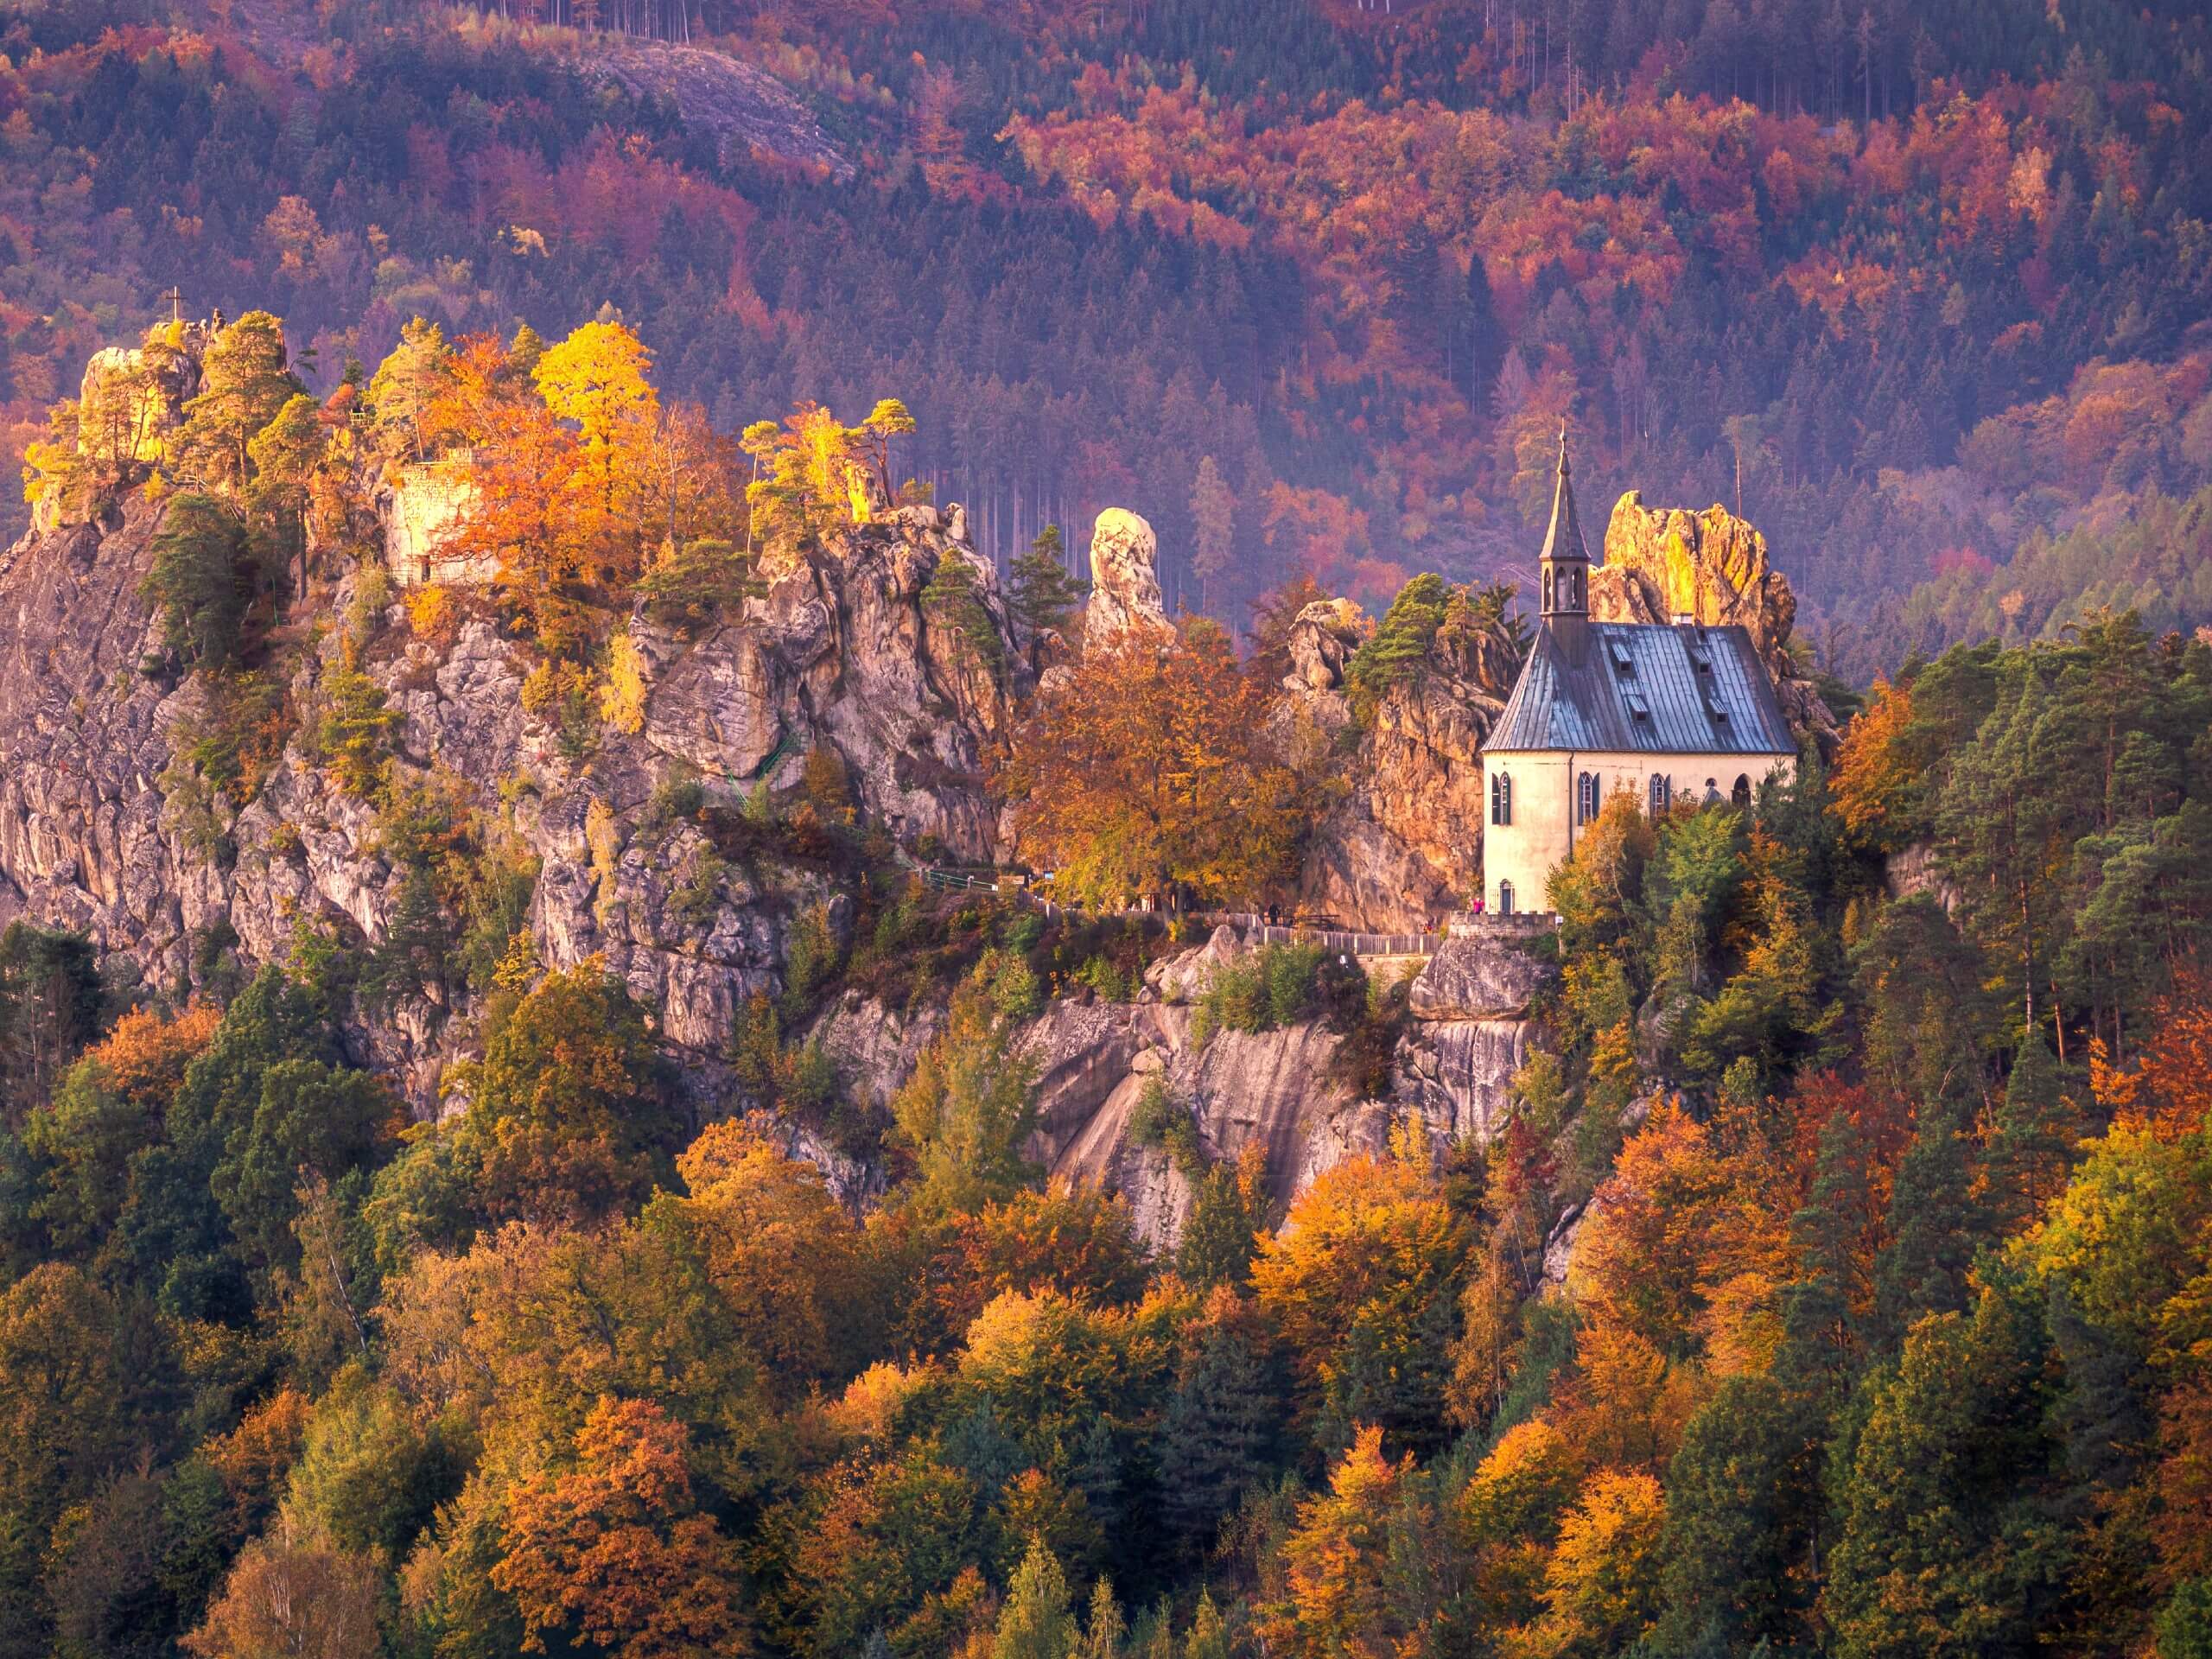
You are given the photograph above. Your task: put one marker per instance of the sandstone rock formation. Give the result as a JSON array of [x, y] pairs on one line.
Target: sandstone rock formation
[[423, 506], [1125, 597], [1322, 640], [98, 831], [1404, 841], [102, 830], [1662, 564], [1469, 1035]]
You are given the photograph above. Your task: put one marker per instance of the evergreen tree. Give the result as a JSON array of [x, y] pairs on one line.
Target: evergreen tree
[[243, 386], [1213, 514], [1221, 1425], [203, 579], [2033, 1133], [1486, 336], [1044, 593], [1936, 1226], [1035, 1623], [1743, 1505]]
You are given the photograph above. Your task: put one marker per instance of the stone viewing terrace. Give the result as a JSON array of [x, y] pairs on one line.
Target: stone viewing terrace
[[1521, 925]]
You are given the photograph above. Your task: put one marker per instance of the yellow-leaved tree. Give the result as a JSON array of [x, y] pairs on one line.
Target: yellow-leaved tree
[[1151, 768]]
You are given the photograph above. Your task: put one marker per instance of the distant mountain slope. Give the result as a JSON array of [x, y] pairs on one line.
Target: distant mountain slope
[[1367, 269], [749, 112]]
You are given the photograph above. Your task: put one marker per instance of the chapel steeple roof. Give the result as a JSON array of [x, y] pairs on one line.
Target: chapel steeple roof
[[1563, 568], [1564, 540]]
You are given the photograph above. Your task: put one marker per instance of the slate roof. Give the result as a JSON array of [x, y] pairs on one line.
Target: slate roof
[[1640, 687]]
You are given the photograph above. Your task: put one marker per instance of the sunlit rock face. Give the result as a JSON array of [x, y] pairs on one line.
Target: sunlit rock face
[[100, 831], [1275, 1090], [1668, 564], [1125, 596], [1401, 845]]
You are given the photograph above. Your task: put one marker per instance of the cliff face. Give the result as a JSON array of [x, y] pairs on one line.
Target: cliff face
[[114, 821], [1468, 1034], [1403, 842], [99, 832]]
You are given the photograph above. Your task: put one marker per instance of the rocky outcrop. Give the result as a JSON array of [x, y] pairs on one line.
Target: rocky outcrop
[[105, 829], [1470, 1031], [1482, 972], [427, 503], [1916, 869], [1321, 643], [1403, 841], [1668, 563], [101, 831], [1125, 598]]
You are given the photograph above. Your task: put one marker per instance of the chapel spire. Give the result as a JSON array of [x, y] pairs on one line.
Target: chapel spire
[[1563, 567]]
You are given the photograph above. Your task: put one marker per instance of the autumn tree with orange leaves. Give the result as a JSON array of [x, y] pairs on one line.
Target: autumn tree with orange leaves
[[615, 1550], [1151, 768]]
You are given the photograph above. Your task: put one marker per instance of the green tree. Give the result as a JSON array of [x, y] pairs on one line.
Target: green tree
[[1936, 1225], [412, 383], [1044, 593], [1744, 1507], [1213, 516], [2032, 1138], [569, 1117], [314, 1122], [968, 1107], [203, 579], [2002, 823], [1035, 1623], [243, 386], [64, 1426], [50, 1005], [285, 454], [1104, 1632], [1223, 1423], [1942, 1550]]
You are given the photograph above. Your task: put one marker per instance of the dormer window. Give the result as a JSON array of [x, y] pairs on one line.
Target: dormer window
[[1624, 665]]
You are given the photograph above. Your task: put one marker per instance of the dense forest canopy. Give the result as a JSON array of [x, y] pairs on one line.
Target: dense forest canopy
[[1365, 262]]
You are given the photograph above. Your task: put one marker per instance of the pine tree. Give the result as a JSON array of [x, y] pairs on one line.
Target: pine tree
[[1486, 338], [1226, 1215], [1035, 1623], [243, 385], [1934, 1226], [202, 579], [1214, 512], [1220, 1429], [1743, 1502], [1044, 593], [2033, 1133]]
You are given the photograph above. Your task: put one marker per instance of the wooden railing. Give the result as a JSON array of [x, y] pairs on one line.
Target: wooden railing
[[1249, 924]]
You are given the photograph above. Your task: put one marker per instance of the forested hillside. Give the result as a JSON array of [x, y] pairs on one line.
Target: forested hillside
[[1363, 262], [528, 1164], [529, 1122]]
